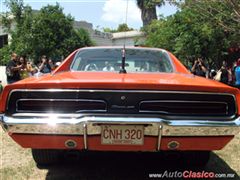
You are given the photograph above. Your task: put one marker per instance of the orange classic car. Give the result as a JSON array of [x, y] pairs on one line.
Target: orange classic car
[[120, 99]]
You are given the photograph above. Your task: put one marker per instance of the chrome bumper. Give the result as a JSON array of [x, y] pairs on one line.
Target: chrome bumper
[[72, 124]]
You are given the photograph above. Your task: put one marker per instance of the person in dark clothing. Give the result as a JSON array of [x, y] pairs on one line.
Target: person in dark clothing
[[199, 69], [224, 76], [212, 74], [12, 69], [45, 67], [225, 73]]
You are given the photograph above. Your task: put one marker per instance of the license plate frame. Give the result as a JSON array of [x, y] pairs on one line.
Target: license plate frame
[[122, 134]]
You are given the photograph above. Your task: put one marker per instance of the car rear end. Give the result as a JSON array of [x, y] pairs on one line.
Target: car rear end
[[108, 111]]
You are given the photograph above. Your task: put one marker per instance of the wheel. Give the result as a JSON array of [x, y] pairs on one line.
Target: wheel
[[46, 156]]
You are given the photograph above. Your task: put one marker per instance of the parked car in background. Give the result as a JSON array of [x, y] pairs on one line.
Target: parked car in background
[[120, 99]]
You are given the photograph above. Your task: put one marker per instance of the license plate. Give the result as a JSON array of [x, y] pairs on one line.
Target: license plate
[[122, 134]]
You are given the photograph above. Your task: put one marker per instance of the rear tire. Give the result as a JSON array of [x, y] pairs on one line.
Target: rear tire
[[46, 156]]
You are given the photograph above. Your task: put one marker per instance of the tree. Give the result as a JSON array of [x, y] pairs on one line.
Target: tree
[[148, 10], [54, 34], [189, 35], [108, 30], [123, 27], [5, 53], [224, 13], [47, 32], [18, 23]]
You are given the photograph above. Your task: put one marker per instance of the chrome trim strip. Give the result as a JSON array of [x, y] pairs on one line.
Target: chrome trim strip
[[159, 138], [73, 125], [112, 90], [85, 135], [65, 100], [79, 115]]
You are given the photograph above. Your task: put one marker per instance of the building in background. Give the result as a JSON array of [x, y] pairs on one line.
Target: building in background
[[4, 36], [3, 39], [129, 38]]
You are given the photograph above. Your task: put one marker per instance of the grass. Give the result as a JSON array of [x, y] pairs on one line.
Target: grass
[[17, 163]]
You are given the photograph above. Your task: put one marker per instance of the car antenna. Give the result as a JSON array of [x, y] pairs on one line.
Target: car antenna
[[123, 70]]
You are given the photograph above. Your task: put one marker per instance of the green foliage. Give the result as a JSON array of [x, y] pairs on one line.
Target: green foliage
[[108, 30], [189, 34], [83, 38], [121, 28], [224, 13], [47, 32], [50, 31], [18, 23], [5, 53], [17, 9]]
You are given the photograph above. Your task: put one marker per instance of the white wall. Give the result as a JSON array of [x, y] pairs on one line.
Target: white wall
[[3, 77], [121, 42]]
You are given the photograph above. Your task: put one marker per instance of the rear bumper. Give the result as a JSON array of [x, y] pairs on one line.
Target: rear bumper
[[90, 126], [72, 124]]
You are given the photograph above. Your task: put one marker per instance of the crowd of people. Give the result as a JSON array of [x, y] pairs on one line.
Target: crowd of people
[[20, 68], [227, 74]]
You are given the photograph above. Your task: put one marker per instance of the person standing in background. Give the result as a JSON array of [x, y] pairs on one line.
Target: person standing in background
[[44, 65], [224, 73], [27, 69], [52, 65], [237, 73], [13, 69], [199, 68]]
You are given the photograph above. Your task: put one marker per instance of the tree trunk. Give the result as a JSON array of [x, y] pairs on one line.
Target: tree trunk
[[147, 15]]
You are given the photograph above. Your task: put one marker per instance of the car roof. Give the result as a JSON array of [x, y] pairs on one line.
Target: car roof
[[121, 47]]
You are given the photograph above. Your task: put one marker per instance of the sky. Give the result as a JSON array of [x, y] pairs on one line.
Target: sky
[[101, 13]]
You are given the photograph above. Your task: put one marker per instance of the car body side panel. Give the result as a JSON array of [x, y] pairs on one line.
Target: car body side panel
[[65, 66], [180, 68]]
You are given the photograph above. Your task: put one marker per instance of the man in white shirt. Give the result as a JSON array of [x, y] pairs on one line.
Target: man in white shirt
[[108, 67]]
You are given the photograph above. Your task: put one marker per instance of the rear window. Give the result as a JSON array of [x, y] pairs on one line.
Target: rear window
[[137, 60]]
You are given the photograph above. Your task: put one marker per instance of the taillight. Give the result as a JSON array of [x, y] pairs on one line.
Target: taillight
[[60, 105], [185, 107]]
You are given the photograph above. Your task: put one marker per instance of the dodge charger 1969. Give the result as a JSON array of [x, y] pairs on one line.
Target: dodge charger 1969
[[120, 99]]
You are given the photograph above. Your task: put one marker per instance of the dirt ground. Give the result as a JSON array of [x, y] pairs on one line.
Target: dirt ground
[[17, 163]]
